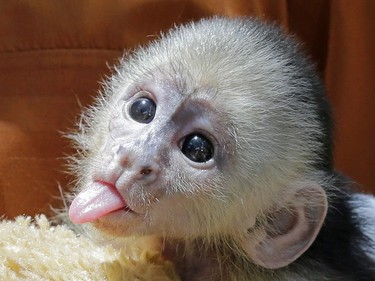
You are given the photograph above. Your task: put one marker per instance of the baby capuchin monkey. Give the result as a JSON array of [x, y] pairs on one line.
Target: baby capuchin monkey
[[216, 139]]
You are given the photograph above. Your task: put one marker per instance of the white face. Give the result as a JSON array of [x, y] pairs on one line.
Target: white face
[[159, 165]]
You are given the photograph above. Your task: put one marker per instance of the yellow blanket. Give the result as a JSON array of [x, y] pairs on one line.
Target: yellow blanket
[[33, 249]]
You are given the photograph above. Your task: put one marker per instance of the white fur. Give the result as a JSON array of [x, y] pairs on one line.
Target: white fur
[[364, 208]]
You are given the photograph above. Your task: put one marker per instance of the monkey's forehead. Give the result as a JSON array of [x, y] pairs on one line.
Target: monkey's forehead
[[248, 71], [236, 57]]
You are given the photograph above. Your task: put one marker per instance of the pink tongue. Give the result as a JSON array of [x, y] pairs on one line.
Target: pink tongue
[[96, 200]]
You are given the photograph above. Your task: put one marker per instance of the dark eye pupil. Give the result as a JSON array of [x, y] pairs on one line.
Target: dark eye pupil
[[143, 110], [197, 148]]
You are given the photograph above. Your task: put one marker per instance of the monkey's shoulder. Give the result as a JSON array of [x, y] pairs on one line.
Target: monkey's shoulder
[[346, 242]]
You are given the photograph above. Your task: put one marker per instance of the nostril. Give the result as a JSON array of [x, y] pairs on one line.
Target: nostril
[[145, 171], [123, 157]]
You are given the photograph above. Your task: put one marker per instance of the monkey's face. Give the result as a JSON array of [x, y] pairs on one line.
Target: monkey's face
[[158, 165], [203, 133]]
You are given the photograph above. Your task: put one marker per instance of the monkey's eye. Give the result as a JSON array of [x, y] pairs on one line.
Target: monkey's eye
[[143, 110], [197, 148]]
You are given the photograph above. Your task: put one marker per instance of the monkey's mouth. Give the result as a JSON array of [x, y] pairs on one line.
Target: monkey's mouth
[[126, 209], [98, 199]]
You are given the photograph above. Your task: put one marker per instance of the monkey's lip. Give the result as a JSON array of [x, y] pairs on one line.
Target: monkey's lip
[[98, 199], [125, 208]]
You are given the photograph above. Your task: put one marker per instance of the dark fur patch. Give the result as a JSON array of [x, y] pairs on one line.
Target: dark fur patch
[[338, 246]]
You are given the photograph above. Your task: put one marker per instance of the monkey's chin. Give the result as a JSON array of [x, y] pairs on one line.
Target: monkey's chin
[[122, 222]]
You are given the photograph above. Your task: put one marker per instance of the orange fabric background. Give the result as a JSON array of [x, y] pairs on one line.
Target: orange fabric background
[[53, 53]]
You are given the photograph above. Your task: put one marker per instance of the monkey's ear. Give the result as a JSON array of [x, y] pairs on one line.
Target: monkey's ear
[[289, 231]]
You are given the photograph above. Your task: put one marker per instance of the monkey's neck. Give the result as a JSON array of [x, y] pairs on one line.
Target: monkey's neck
[[197, 260], [192, 262]]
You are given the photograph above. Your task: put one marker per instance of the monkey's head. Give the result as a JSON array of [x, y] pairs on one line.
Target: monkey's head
[[217, 130]]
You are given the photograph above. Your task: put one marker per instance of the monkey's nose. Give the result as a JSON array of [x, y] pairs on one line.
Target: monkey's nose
[[144, 169]]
